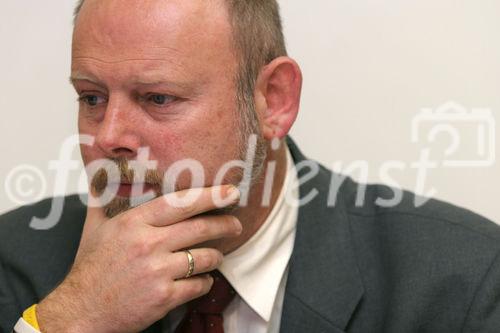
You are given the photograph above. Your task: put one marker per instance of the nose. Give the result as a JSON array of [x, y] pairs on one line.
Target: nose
[[118, 135]]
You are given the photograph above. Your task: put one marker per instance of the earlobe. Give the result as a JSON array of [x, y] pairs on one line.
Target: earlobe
[[278, 96]]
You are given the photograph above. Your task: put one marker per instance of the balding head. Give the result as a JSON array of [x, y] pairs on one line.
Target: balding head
[[257, 36]]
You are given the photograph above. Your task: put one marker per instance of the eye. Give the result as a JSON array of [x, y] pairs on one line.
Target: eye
[[160, 100], [92, 100]]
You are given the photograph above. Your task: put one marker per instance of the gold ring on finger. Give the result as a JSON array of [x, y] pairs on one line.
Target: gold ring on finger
[[190, 264]]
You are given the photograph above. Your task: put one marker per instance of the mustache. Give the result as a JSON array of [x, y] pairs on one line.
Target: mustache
[[126, 175]]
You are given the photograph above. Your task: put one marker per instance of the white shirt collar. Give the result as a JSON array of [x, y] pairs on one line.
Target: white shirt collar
[[256, 268]]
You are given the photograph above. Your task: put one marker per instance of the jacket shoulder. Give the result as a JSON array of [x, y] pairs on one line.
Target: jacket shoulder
[[41, 256], [436, 257], [18, 225], [437, 215]]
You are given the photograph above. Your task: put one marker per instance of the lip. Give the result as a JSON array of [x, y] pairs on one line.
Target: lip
[[125, 189]]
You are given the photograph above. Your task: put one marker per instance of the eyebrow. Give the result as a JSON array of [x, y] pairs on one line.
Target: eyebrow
[[81, 77], [180, 85], [153, 82]]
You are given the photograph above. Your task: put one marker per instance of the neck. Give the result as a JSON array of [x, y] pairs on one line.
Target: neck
[[255, 213]]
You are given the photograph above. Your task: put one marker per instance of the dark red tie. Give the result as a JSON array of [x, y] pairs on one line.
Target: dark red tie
[[205, 313]]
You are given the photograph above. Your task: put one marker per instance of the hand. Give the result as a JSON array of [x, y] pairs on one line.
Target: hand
[[127, 272]]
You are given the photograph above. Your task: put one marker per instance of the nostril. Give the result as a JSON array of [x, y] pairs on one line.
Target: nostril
[[122, 151]]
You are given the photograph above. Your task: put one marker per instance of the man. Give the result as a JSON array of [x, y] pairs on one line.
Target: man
[[194, 81]]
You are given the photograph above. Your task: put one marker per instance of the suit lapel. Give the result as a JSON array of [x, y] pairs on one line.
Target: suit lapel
[[324, 286]]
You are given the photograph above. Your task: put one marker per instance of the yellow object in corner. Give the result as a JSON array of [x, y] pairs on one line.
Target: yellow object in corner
[[29, 315]]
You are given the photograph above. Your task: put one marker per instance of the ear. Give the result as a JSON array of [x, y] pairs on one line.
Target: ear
[[277, 97]]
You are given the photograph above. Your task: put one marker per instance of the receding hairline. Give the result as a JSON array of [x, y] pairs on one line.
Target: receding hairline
[[236, 10], [257, 38]]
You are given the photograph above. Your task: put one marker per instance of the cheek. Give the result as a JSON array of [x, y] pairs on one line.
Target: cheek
[[83, 125], [212, 144], [90, 153]]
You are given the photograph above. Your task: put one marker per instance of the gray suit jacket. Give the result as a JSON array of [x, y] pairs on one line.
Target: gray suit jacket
[[353, 269]]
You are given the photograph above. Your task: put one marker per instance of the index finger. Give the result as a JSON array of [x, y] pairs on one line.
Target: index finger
[[179, 206]]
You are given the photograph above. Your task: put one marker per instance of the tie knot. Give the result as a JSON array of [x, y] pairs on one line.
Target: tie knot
[[217, 299]]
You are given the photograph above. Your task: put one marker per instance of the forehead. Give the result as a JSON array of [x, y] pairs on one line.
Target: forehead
[[186, 34]]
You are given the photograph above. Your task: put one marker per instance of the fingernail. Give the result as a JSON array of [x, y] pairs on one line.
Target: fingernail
[[233, 193]]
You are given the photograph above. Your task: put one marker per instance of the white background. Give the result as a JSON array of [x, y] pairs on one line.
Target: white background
[[369, 67]]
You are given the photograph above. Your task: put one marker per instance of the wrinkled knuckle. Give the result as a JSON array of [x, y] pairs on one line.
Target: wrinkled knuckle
[[158, 238], [127, 224], [201, 228], [197, 288], [164, 293], [186, 209], [154, 269], [207, 260], [140, 248]]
